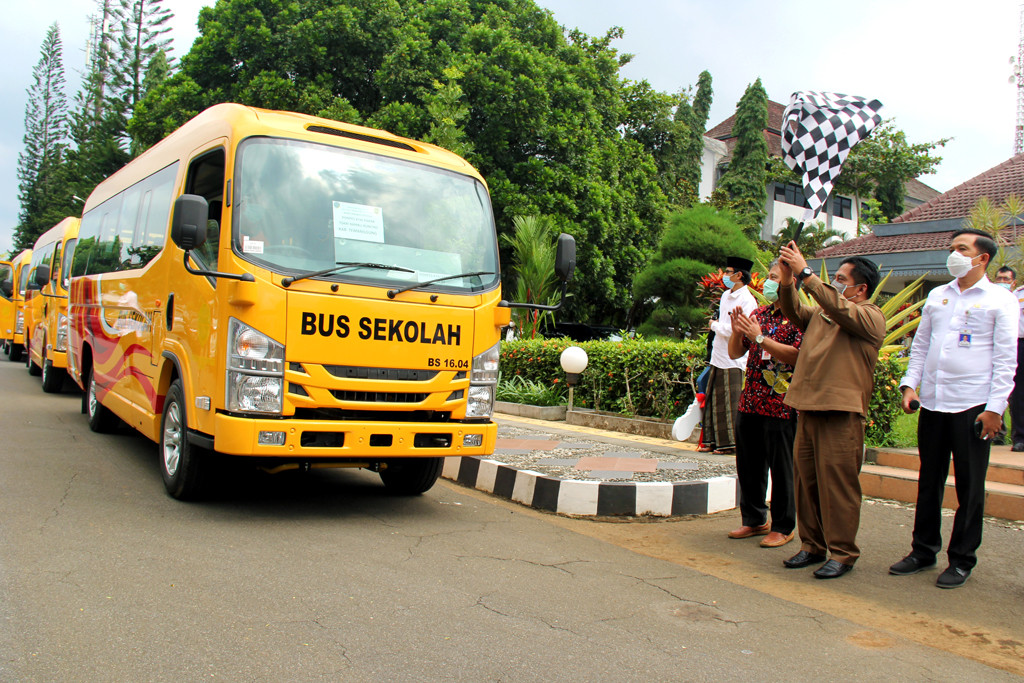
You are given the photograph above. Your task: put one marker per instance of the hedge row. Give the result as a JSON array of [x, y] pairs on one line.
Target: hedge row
[[633, 377], [657, 378]]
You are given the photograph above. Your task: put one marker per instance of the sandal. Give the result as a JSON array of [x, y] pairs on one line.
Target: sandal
[[728, 450], [704, 449]]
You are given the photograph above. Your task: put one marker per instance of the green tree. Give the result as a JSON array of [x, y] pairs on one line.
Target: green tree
[[813, 237], [693, 147], [882, 163], [696, 241], [672, 130], [533, 261], [42, 190], [141, 59], [745, 181], [447, 110], [544, 108], [96, 124]]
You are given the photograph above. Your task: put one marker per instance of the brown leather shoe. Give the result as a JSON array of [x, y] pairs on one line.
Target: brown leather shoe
[[776, 539], [748, 531]]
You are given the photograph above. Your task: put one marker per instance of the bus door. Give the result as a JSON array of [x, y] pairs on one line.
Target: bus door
[[196, 296]]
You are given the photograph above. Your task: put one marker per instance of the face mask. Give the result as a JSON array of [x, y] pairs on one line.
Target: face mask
[[1004, 285], [771, 291], [959, 265], [727, 281], [840, 288]]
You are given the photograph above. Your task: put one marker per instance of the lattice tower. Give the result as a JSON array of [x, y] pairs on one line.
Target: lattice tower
[[1018, 140]]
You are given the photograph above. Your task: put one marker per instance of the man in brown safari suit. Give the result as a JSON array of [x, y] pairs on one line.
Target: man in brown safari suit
[[831, 390]]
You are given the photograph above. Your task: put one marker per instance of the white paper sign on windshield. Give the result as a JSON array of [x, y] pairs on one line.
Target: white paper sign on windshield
[[358, 222]]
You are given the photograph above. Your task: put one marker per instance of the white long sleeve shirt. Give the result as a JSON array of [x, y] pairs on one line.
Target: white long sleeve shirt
[[965, 350], [1019, 293], [723, 327]]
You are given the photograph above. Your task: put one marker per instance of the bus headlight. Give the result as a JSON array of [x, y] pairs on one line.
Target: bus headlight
[[62, 333], [482, 379], [255, 379]]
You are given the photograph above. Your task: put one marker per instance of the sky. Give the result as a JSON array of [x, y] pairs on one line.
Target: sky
[[941, 69]]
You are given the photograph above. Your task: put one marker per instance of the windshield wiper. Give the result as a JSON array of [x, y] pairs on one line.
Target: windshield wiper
[[285, 282], [392, 293]]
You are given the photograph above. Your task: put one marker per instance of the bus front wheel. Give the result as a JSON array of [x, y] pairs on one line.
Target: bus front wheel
[[182, 464], [411, 476]]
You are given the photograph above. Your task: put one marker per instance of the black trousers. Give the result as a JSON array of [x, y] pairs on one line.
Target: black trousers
[[1017, 398], [938, 435], [765, 444]]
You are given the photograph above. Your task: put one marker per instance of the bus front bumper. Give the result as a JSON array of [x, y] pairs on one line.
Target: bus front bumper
[[302, 439]]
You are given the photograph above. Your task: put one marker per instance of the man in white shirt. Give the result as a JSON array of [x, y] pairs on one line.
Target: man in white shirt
[[725, 381], [963, 359], [1007, 277]]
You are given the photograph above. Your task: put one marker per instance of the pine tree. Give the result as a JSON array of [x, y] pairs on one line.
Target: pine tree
[[142, 59], [745, 181], [41, 191], [96, 127], [693, 146]]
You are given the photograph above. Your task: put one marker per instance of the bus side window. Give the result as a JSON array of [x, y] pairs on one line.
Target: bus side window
[[154, 214], [55, 265], [7, 276], [206, 178], [65, 267]]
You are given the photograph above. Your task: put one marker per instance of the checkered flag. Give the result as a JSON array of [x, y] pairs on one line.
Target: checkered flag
[[818, 131]]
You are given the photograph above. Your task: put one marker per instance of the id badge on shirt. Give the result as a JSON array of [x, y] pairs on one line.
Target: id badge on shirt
[[965, 337]]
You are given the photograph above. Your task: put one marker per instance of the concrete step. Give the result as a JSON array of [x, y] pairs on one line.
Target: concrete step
[[1004, 466], [1002, 500]]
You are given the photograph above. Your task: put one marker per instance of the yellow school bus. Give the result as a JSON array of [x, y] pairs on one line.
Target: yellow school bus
[[293, 290], [46, 304], [6, 303], [14, 316]]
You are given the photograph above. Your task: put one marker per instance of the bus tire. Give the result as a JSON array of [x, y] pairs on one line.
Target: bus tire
[[33, 369], [53, 378], [411, 476], [101, 420], [182, 464], [14, 353]]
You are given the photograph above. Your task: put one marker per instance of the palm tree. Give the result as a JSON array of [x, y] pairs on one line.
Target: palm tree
[[533, 259], [814, 237]]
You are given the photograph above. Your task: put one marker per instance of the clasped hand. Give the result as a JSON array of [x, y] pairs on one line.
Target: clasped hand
[[747, 326]]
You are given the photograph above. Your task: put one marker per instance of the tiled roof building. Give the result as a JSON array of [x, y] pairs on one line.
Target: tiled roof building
[[917, 242], [780, 197]]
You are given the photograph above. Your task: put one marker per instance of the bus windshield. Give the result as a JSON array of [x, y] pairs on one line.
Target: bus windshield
[[301, 207]]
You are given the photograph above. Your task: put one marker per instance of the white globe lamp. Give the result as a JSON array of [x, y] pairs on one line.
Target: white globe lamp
[[574, 361]]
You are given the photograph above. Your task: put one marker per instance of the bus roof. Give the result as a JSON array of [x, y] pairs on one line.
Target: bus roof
[[56, 233], [237, 122]]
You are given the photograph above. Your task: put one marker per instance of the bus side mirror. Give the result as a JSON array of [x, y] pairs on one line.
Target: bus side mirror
[[565, 257], [188, 226], [42, 275]]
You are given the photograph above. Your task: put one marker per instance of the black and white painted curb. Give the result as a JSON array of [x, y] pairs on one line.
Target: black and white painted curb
[[593, 498]]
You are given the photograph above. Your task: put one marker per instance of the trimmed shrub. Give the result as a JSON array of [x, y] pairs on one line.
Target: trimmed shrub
[[632, 377]]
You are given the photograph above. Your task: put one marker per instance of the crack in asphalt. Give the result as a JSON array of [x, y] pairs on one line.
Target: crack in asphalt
[[480, 602], [60, 503], [553, 565]]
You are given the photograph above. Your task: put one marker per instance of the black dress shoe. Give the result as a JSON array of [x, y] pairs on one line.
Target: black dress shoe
[[910, 565], [832, 569], [803, 559], [953, 577], [1017, 447]]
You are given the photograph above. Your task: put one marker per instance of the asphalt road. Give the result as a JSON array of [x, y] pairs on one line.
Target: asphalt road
[[322, 576]]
